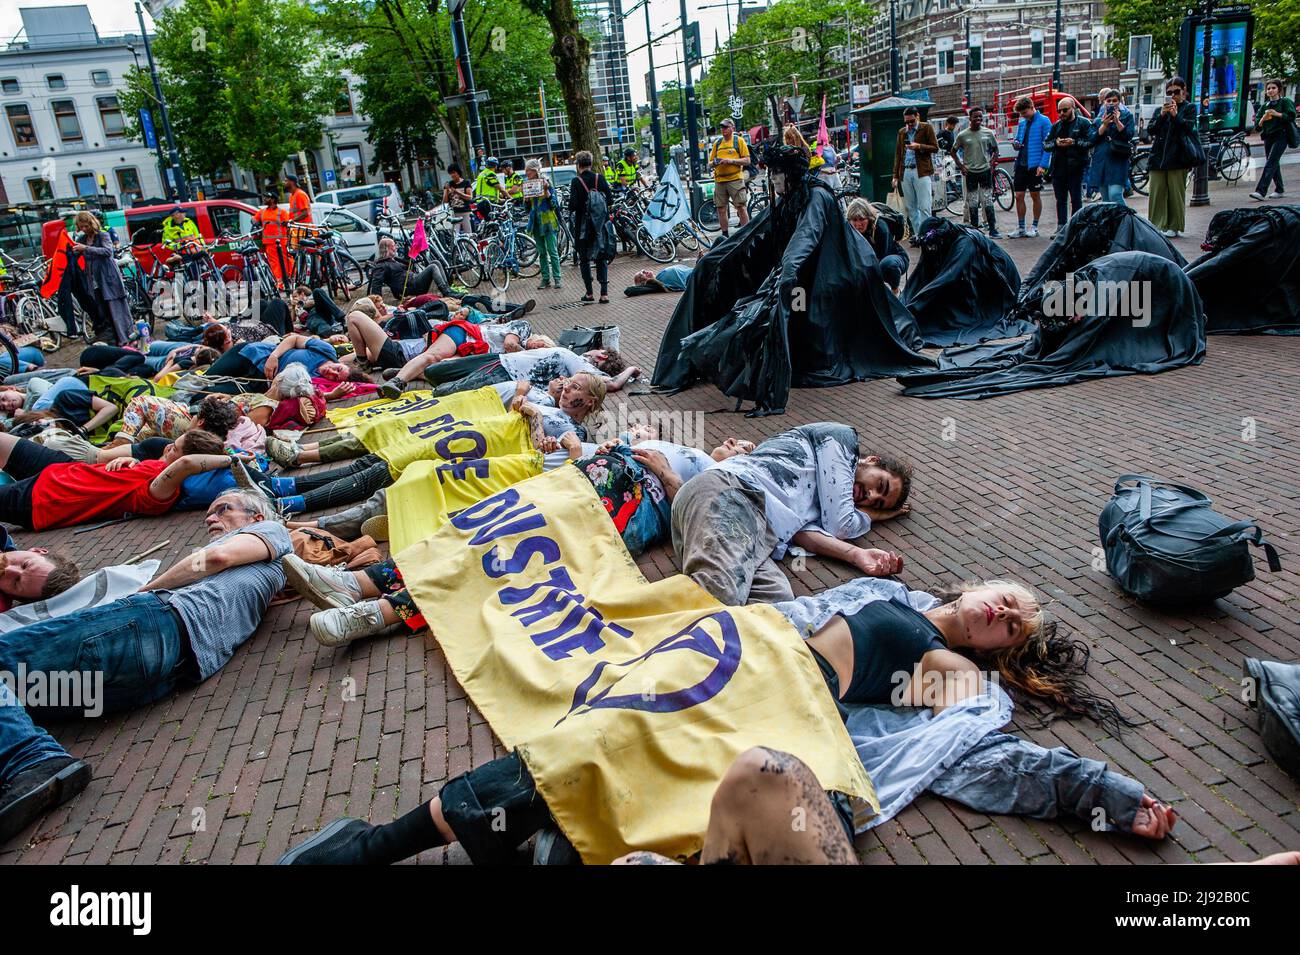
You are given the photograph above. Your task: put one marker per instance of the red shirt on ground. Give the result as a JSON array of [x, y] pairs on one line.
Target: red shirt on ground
[[68, 494]]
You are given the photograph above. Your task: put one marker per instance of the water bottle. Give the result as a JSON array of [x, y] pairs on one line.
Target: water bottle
[[142, 333]]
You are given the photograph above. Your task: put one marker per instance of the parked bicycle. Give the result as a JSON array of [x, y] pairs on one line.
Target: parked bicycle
[[319, 261], [29, 312]]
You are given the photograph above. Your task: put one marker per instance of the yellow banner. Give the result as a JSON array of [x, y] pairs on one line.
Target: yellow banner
[[627, 700], [430, 491], [469, 425]]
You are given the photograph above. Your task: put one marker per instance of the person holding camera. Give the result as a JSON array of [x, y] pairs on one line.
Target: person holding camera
[[1112, 136], [1174, 150]]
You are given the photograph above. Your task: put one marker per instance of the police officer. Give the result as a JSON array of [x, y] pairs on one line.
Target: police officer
[[487, 185], [512, 183], [626, 171]]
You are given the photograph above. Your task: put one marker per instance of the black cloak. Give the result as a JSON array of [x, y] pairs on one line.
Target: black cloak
[[1104, 343], [795, 298], [964, 288], [1097, 229], [1249, 278]]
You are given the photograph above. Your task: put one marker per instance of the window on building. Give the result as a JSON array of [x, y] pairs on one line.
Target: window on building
[[343, 104], [40, 190], [945, 57], [1099, 45], [85, 184], [110, 114], [1036, 47], [101, 78], [975, 52], [65, 117], [20, 121], [128, 184], [351, 168], [55, 81], [9, 85], [1072, 45]]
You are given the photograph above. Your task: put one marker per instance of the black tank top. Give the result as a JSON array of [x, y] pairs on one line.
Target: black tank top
[[889, 640]]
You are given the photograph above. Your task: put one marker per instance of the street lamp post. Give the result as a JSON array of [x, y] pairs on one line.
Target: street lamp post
[[692, 126], [1056, 50], [179, 187], [1201, 175], [966, 92], [893, 47], [460, 50]]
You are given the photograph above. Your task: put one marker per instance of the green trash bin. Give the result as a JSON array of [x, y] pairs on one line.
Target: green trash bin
[[878, 126]]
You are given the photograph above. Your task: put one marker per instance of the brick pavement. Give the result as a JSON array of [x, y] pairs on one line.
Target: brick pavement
[[237, 769]]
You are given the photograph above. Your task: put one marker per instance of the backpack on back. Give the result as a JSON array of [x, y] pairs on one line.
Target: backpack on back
[[1166, 544]]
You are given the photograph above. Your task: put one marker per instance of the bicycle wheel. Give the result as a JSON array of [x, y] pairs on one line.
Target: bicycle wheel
[[530, 261], [494, 263], [11, 350], [685, 238], [465, 266], [1003, 193], [1139, 173], [662, 249], [706, 217], [1233, 160], [954, 197], [563, 242], [348, 270]]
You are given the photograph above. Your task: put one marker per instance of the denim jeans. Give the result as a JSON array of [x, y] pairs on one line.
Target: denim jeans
[[135, 644], [918, 198], [158, 352], [23, 744], [1113, 192]]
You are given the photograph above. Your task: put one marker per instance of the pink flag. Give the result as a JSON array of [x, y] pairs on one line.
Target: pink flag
[[419, 241], [823, 137]]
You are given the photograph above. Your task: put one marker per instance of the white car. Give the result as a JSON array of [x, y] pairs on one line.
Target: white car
[[359, 237], [361, 199]]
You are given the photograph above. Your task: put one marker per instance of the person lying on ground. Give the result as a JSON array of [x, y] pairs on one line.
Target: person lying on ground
[[194, 358], [670, 279], [409, 357], [149, 416], [261, 361], [811, 487], [749, 821], [51, 489], [69, 398], [36, 772], [30, 575], [186, 623], [540, 366]]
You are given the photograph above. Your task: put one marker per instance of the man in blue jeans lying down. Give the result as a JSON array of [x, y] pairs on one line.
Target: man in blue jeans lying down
[[181, 628]]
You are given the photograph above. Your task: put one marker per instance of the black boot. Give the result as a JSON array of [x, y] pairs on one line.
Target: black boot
[[34, 791], [353, 842], [393, 388]]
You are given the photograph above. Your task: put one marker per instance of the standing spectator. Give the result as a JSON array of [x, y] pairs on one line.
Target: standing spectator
[[585, 234], [1068, 142], [1031, 163], [728, 159], [1112, 137], [543, 223], [976, 149], [913, 166], [1275, 120], [299, 201], [947, 136], [1174, 150], [458, 193], [103, 278], [273, 223]]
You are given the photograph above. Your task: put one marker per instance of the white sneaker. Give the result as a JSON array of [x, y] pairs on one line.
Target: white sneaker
[[1032, 232], [1018, 234], [1169, 234], [341, 625], [1257, 196], [326, 587]]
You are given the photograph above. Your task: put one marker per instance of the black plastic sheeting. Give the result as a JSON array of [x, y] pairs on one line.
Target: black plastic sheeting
[[1249, 278], [1107, 342], [740, 324], [1097, 229], [964, 287]]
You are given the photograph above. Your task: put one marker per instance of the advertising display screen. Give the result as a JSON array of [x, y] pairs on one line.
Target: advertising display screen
[[1231, 38]]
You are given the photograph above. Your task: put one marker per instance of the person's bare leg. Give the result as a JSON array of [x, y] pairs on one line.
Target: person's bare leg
[[770, 809], [1037, 198], [7, 444], [366, 336], [742, 212]]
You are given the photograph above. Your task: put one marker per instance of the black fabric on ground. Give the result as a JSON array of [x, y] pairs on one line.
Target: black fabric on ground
[[1102, 345], [737, 325], [964, 287], [1249, 277], [1098, 229]]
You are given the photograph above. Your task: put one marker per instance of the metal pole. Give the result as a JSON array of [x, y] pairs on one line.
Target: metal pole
[[179, 186], [1201, 175], [893, 48], [966, 94], [1056, 48], [541, 98], [731, 54], [692, 127], [656, 134], [460, 50]]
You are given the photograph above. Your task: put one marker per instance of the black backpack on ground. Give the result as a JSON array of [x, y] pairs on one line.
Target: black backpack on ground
[[1166, 544]]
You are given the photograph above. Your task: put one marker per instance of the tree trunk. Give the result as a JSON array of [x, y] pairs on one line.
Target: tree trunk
[[572, 55]]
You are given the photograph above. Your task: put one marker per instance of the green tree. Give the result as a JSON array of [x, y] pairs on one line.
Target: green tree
[[792, 40], [1277, 38], [1160, 18], [246, 81], [571, 54]]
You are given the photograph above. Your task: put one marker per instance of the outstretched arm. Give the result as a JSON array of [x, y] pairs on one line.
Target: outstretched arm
[[168, 484], [105, 411], [239, 550]]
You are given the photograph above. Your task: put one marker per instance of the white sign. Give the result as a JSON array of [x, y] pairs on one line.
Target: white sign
[[737, 104], [861, 93], [532, 188], [668, 206]]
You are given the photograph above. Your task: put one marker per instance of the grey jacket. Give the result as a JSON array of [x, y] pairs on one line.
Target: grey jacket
[[101, 269]]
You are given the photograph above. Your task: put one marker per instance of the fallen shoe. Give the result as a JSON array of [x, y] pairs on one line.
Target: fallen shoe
[[553, 848], [326, 587], [35, 791], [1277, 698], [339, 626], [339, 843]]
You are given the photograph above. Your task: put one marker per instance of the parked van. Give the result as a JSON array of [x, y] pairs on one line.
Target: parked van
[[362, 200], [214, 217]]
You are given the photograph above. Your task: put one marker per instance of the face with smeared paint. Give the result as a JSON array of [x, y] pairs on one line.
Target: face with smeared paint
[[874, 488]]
